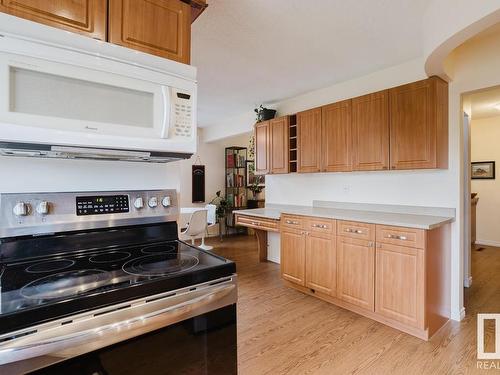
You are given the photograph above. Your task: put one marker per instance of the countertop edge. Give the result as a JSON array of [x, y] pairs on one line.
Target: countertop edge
[[440, 221]]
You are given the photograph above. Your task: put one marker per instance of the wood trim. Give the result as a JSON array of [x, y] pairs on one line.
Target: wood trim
[[88, 18], [370, 132]]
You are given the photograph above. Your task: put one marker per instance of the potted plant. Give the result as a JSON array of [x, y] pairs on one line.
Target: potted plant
[[256, 187], [222, 205], [264, 114]]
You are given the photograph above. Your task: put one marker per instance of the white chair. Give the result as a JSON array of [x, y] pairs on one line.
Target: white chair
[[197, 226]]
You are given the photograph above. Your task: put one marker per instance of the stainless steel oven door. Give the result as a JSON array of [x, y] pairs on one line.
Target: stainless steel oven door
[[59, 341]]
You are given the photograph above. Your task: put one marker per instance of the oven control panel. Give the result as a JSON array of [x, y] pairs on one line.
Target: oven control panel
[[102, 204], [52, 212]]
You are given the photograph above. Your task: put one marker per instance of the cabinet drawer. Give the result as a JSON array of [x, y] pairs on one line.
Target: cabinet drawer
[[354, 229], [294, 222], [257, 223], [401, 236], [319, 225]]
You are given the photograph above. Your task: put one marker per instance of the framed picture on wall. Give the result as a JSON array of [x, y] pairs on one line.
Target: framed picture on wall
[[251, 174], [483, 170]]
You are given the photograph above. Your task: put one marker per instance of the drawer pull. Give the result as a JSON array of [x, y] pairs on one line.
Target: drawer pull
[[292, 222], [255, 223], [357, 231], [393, 236], [323, 226]]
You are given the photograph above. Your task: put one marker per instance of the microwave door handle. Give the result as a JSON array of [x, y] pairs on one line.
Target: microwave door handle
[[76, 343], [166, 99]]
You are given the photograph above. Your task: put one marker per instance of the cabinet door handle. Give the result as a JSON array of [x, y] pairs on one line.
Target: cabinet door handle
[[370, 244], [403, 238], [323, 226]]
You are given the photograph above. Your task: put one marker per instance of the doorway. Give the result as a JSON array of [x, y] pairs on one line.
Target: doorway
[[481, 182]]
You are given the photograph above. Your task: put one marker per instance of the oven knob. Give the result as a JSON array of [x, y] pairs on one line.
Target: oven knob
[[166, 201], [21, 209], [153, 202], [139, 203], [43, 208]]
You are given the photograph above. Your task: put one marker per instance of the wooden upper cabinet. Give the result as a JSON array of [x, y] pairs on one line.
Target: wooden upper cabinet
[[158, 27], [400, 284], [279, 139], [370, 132], [419, 125], [87, 17], [262, 148], [293, 256], [309, 141], [336, 137], [356, 271]]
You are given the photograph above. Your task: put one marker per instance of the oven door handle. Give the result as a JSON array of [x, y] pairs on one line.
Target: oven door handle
[[63, 345]]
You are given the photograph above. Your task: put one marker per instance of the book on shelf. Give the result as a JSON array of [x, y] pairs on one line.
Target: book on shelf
[[230, 160], [229, 180]]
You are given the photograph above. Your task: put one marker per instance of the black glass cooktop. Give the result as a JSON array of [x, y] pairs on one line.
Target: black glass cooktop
[[37, 290]]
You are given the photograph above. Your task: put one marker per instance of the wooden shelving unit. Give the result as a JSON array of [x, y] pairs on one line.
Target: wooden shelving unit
[[293, 144], [236, 184]]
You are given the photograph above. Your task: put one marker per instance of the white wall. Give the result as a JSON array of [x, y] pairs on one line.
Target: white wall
[[485, 147], [211, 155], [46, 175]]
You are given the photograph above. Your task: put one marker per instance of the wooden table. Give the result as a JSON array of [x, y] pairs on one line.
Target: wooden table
[[261, 226]]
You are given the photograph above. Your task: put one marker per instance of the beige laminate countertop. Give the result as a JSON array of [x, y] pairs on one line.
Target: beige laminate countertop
[[373, 217]]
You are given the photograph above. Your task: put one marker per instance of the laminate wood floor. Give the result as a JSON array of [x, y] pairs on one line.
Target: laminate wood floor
[[282, 331]]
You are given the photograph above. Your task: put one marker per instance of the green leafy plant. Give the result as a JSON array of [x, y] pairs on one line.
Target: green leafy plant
[[222, 205], [256, 186]]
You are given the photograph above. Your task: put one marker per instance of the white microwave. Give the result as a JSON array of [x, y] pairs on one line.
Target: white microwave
[[96, 97]]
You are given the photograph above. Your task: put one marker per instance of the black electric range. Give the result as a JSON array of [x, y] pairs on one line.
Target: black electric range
[[35, 290], [102, 279]]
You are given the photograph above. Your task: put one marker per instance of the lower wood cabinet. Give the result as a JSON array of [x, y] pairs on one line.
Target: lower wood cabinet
[[355, 271], [321, 263], [293, 255], [397, 276], [400, 284]]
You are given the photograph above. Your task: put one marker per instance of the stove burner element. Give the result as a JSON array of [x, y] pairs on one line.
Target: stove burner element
[[160, 264], [115, 256], [65, 284], [50, 266], [162, 248]]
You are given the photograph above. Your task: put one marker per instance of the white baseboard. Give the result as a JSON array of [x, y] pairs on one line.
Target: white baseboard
[[488, 243]]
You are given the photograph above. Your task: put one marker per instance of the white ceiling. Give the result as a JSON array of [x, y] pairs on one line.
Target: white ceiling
[[483, 103], [259, 51]]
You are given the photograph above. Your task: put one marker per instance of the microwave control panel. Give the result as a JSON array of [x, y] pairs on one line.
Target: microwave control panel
[[182, 107]]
